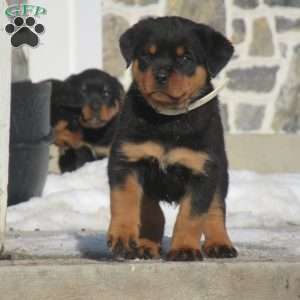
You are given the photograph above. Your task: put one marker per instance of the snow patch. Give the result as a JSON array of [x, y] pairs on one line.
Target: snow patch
[[80, 199]]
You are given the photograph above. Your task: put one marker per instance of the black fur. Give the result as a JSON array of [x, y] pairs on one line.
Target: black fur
[[173, 60], [199, 130], [73, 159], [209, 47]]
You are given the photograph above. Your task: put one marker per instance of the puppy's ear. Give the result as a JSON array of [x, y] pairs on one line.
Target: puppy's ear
[[127, 44], [217, 49]]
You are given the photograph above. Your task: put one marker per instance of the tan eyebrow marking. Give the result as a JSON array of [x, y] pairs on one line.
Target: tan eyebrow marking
[[152, 49], [180, 51]]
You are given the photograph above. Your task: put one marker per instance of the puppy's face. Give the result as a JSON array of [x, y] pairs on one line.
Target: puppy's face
[[101, 95], [173, 58], [168, 74]]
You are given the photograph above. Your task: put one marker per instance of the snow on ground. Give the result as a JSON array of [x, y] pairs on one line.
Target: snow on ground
[[79, 200], [252, 244]]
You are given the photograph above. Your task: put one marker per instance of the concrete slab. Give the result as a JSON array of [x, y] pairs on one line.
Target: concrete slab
[[77, 279], [253, 244], [268, 268]]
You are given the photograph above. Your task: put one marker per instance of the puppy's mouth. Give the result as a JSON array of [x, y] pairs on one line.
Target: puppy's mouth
[[163, 99], [94, 123]]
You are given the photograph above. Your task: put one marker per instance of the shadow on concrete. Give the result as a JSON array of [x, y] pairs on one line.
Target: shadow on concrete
[[92, 245]]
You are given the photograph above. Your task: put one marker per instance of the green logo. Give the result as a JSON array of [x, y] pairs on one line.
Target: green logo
[[23, 28], [23, 10]]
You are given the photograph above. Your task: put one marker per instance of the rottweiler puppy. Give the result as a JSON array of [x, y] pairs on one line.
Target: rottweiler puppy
[[84, 111], [175, 158]]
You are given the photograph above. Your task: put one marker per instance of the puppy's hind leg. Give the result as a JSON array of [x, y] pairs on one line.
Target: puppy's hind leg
[[152, 229]]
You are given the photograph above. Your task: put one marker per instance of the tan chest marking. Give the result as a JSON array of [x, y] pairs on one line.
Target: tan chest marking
[[193, 160]]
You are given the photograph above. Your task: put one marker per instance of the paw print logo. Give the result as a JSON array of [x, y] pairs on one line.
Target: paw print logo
[[24, 31]]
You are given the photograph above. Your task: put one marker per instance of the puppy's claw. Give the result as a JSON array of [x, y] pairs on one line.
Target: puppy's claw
[[109, 244], [221, 251], [184, 255], [133, 244], [122, 250]]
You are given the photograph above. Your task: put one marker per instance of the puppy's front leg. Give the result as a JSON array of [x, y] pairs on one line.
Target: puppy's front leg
[[123, 233], [217, 242]]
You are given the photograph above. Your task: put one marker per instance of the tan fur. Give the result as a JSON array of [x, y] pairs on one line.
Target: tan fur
[[101, 150], [186, 85], [87, 112], [65, 137], [214, 226], [188, 228], [136, 152], [146, 245], [125, 205], [180, 51], [107, 113], [193, 160], [177, 92], [152, 49]]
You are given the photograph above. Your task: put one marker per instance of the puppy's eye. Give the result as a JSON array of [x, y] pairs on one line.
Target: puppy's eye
[[147, 56], [106, 93], [186, 58]]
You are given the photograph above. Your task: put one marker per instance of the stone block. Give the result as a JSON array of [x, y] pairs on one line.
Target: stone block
[[284, 24], [256, 79], [211, 12], [249, 117], [287, 105], [113, 27], [239, 30], [291, 3], [246, 3], [262, 40]]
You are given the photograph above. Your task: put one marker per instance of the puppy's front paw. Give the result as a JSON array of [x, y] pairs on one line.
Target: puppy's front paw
[[220, 251], [123, 242], [184, 254]]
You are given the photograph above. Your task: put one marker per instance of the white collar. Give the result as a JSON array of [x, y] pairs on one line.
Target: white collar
[[194, 105]]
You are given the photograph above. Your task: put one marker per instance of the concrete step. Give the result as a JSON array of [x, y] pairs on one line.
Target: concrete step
[[66, 279], [76, 265]]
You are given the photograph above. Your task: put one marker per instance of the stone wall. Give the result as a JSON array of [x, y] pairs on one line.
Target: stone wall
[[263, 94]]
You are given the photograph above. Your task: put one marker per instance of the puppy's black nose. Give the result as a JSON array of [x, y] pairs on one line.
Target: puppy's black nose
[[95, 107], [161, 77]]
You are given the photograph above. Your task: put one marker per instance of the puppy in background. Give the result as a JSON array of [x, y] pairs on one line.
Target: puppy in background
[[169, 145], [84, 110]]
